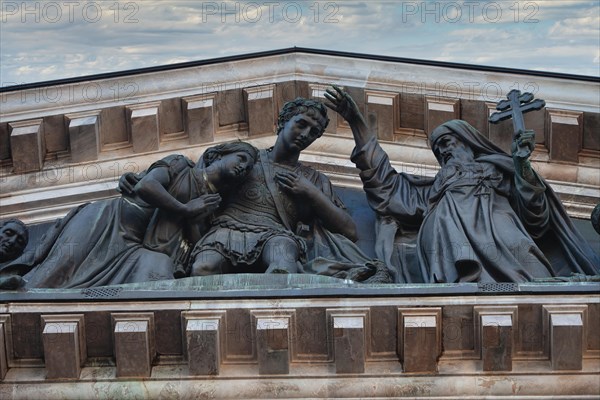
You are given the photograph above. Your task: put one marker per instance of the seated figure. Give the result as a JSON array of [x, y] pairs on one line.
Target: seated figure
[[102, 243], [486, 216], [286, 217]]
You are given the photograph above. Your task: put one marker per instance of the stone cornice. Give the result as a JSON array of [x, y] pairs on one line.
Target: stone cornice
[[434, 80]]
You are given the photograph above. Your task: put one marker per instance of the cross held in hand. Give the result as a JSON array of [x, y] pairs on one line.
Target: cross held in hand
[[516, 105]]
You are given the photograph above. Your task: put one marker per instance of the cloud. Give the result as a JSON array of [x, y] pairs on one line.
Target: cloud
[[164, 32], [576, 28]]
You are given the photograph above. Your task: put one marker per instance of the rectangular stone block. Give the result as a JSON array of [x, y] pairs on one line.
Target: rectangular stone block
[[99, 341], [496, 342], [311, 345], [260, 107], [349, 344], [439, 110], [593, 328], [27, 346], [114, 130], [272, 345], [381, 113], [591, 127], [203, 347], [199, 117], [475, 113], [501, 134], [84, 136], [169, 333], [420, 345], [64, 345], [171, 118], [239, 336], [56, 135], [382, 337], [412, 110], [565, 133], [4, 141], [458, 335], [536, 121], [61, 350], [133, 350], [3, 352], [144, 126], [529, 341], [27, 145], [284, 92], [230, 107], [566, 341]]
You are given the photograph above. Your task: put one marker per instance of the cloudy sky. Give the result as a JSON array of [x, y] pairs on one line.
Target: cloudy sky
[[45, 40]]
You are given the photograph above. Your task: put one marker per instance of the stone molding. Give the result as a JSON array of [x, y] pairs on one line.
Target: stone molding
[[339, 328], [366, 73]]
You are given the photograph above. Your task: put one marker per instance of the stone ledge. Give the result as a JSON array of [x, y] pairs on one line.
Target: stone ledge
[[101, 383]]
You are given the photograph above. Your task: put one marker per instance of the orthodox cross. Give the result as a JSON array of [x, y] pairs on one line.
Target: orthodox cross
[[516, 105]]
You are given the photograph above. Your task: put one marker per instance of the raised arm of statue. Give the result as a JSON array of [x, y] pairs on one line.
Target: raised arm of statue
[[388, 192], [532, 202], [343, 104]]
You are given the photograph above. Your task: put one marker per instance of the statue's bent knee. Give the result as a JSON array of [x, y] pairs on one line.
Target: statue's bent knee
[[207, 263]]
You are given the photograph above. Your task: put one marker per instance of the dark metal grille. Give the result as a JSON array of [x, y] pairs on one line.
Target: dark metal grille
[[94, 293], [498, 287]]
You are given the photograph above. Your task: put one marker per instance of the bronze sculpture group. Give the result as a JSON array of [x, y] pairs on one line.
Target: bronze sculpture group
[[485, 217]]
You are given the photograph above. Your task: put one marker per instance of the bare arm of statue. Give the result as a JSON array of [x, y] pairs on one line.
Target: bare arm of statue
[[343, 104], [152, 189], [333, 218]]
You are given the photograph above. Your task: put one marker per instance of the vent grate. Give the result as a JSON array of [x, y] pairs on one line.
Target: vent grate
[[95, 293], [496, 287]]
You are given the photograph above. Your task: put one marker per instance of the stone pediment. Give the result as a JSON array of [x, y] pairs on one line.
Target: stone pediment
[[67, 142], [250, 336]]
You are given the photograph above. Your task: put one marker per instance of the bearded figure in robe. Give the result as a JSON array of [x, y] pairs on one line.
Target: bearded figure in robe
[[486, 216]]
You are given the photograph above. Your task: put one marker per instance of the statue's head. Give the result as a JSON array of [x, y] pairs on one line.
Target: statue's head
[[310, 108], [449, 142], [13, 239], [472, 142], [234, 160]]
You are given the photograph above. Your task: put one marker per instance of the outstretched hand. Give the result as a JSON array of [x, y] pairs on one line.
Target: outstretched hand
[[342, 103]]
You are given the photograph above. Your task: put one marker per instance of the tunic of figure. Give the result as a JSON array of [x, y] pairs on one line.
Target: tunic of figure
[[261, 210], [100, 243], [477, 221]]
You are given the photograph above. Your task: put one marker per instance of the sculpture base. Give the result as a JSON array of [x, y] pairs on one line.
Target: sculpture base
[[306, 320]]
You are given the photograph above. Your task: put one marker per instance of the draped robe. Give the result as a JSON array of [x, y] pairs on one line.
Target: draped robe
[[103, 243], [477, 221]]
